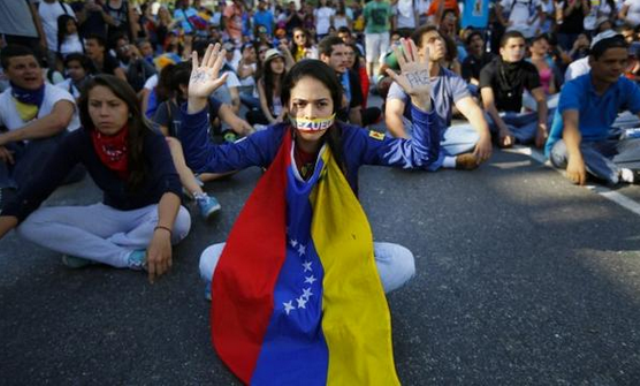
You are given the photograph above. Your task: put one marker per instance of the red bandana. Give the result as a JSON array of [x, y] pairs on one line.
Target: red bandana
[[112, 150]]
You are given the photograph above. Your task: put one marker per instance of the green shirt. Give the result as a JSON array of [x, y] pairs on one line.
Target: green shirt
[[376, 16]]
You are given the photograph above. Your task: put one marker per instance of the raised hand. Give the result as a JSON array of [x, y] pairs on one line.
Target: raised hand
[[414, 75], [204, 76]]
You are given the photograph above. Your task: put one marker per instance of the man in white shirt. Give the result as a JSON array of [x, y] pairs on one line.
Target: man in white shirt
[[523, 15], [35, 117]]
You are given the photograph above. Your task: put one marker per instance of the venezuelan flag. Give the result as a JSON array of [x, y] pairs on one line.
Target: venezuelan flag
[[296, 294]]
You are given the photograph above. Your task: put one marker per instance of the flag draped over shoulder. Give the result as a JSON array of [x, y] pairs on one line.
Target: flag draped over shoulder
[[296, 294]]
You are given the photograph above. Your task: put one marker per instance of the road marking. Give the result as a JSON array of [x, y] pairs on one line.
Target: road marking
[[605, 192]]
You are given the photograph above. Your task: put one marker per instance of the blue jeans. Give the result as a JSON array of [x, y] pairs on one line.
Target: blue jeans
[[30, 158], [523, 126], [602, 159], [395, 264], [455, 140]]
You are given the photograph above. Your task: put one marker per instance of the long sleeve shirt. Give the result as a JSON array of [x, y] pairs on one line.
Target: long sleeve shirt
[[360, 146]]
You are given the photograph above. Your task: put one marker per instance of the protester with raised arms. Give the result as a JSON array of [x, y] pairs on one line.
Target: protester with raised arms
[[140, 217], [310, 241]]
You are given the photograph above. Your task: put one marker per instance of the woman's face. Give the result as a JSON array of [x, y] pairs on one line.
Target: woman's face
[[310, 99], [277, 66], [75, 70], [540, 47], [71, 27], [300, 38], [108, 113]]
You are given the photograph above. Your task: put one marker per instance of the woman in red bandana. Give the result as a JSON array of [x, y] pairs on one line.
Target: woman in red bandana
[[140, 217]]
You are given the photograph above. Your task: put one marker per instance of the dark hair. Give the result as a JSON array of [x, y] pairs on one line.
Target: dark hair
[[344, 30], [603, 45], [417, 35], [294, 45], [80, 58], [62, 28], [180, 76], [473, 34], [324, 74], [98, 38], [138, 126], [511, 35], [452, 49], [15, 50], [325, 47]]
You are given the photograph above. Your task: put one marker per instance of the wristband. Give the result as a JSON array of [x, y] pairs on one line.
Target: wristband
[[165, 228]]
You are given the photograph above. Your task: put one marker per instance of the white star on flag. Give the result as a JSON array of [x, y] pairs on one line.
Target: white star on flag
[[307, 293], [301, 249], [310, 279], [301, 302], [307, 266], [288, 306], [294, 242]]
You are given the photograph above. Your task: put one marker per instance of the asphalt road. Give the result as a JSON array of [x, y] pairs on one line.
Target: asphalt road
[[522, 279]]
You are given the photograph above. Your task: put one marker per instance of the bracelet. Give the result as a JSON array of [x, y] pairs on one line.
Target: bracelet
[[165, 228]]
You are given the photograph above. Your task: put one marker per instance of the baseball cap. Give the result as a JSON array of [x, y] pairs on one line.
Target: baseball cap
[[271, 54]]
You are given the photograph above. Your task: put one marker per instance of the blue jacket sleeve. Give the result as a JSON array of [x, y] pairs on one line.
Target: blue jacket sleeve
[[203, 156], [419, 152]]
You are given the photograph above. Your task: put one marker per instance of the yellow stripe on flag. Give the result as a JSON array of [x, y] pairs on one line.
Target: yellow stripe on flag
[[356, 321]]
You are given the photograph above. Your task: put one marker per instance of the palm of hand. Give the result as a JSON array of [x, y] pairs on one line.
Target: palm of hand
[[415, 79], [202, 82]]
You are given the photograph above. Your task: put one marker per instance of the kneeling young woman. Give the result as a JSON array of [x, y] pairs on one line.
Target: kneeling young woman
[[299, 287], [140, 217]]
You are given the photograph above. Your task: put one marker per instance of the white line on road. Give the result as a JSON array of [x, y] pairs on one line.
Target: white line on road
[[607, 193]]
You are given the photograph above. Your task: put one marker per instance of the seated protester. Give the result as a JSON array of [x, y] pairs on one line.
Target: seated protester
[[357, 64], [247, 69], [137, 69], [69, 40], [101, 59], [77, 67], [461, 147], [580, 47], [302, 46], [346, 35], [333, 52], [502, 83], [477, 58], [146, 50], [581, 140], [141, 214], [269, 89], [305, 213], [539, 50], [36, 115]]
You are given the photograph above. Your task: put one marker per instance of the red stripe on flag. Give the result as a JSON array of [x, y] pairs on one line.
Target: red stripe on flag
[[247, 272]]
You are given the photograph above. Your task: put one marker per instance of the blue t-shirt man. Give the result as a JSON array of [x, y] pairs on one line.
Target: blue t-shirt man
[[596, 113], [264, 18]]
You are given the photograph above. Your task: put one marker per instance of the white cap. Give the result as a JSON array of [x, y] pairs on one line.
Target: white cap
[[608, 34]]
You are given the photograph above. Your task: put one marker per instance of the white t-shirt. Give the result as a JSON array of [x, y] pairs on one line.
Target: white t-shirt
[[402, 20], [577, 68], [10, 118], [323, 19], [49, 14], [70, 45], [68, 86], [521, 11], [232, 79], [633, 14], [151, 83]]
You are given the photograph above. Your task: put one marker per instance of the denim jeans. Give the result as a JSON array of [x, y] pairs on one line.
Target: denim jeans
[[602, 159], [98, 232], [523, 126], [455, 140], [30, 158], [395, 264]]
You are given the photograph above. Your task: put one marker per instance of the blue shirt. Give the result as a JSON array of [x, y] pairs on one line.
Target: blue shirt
[[264, 18], [596, 112]]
